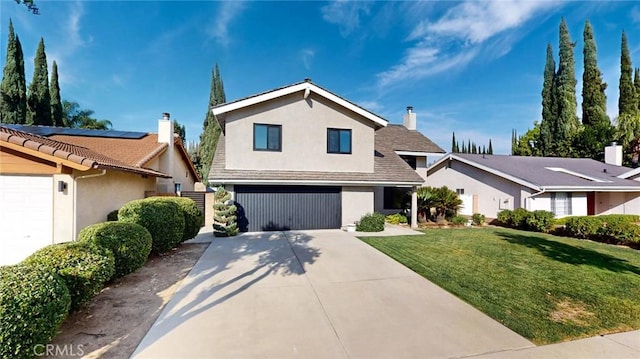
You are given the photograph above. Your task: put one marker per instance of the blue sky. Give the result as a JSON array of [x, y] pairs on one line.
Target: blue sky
[[470, 67]]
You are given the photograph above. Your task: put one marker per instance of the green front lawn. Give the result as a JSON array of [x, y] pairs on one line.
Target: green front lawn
[[545, 288]]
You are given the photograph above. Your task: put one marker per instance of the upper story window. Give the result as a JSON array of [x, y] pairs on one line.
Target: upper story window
[[267, 137], [338, 141]]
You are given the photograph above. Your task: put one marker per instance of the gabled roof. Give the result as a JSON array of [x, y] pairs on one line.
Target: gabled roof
[[399, 138], [83, 157], [305, 88], [389, 169], [549, 173], [135, 149]]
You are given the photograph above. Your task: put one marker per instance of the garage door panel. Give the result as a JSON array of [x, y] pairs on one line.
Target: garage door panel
[[269, 208]]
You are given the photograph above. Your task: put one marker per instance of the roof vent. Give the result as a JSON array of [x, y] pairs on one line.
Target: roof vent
[[307, 80]]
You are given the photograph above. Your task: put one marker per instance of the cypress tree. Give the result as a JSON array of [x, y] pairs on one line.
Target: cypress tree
[[211, 128], [490, 150], [549, 110], [514, 141], [565, 96], [12, 89], [626, 101], [39, 100], [453, 143], [636, 85], [594, 100], [56, 101]]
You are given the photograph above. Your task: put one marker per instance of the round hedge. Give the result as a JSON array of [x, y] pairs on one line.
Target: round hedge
[[163, 219], [193, 216], [83, 268], [33, 304], [130, 244]]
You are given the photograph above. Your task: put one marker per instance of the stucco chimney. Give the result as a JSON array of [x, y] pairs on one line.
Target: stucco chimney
[[165, 129], [409, 120], [165, 135], [613, 154]]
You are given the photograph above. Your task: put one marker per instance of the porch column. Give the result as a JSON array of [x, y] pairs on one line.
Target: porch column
[[414, 207]]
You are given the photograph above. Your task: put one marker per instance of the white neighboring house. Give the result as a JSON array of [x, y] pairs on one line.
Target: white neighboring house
[[56, 181], [564, 186]]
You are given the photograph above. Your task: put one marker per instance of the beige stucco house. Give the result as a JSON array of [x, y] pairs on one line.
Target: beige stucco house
[[488, 184], [56, 181], [302, 157]]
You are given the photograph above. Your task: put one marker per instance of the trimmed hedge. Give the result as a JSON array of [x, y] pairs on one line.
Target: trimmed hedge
[[459, 220], [83, 268], [537, 221], [371, 222], [193, 216], [33, 304], [163, 219], [130, 244], [611, 228]]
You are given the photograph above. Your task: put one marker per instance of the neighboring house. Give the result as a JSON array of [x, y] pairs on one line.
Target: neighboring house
[[301, 157], [565, 186], [55, 181]]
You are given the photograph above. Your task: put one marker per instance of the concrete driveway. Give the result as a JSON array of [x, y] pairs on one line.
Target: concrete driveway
[[315, 294]]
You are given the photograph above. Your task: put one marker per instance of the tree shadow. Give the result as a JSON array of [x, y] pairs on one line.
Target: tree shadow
[[218, 280], [570, 254]]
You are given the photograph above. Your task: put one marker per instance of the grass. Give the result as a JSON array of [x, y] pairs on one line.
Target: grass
[[546, 288]]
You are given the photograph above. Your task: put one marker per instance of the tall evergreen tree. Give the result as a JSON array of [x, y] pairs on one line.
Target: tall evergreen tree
[[453, 143], [565, 96], [56, 101], [39, 100], [636, 85], [211, 127], [490, 149], [597, 131], [626, 101], [549, 110], [13, 101]]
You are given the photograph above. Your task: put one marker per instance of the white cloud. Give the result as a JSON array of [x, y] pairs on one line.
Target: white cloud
[[346, 14], [226, 13], [307, 55], [372, 106], [461, 34], [635, 14]]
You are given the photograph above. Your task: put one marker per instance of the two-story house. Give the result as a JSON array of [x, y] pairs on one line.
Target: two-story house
[[301, 157]]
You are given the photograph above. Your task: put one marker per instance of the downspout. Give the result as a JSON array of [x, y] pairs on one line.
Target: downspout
[[75, 197], [536, 194]]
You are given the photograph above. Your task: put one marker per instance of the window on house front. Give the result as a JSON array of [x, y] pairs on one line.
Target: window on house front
[[177, 187], [561, 203], [411, 161], [267, 137], [338, 141], [460, 191], [396, 198]]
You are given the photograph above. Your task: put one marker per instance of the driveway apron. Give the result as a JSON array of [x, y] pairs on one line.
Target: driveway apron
[[315, 294]]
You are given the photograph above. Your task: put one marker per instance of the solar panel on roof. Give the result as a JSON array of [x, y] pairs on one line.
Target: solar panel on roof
[[47, 131]]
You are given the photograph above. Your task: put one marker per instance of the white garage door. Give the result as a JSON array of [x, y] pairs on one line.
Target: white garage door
[[26, 216]]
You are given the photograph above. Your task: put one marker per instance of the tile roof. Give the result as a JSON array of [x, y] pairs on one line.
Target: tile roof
[[71, 151], [388, 168], [535, 171], [399, 138]]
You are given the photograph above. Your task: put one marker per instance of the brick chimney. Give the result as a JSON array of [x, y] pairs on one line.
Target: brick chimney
[[409, 119]]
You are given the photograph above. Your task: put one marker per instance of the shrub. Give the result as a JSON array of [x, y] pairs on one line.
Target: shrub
[[225, 221], [163, 219], [371, 222], [33, 304], [519, 218], [618, 229], [627, 218], [459, 220], [583, 226], [540, 221], [83, 268], [396, 218], [504, 217], [193, 216], [478, 219], [130, 244], [112, 216]]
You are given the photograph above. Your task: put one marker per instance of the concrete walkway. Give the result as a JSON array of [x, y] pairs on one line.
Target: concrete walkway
[[316, 294]]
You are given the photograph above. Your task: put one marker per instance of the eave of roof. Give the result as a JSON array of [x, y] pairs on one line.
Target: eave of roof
[[304, 87]]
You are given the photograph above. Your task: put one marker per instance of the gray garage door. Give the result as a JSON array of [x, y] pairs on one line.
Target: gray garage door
[[273, 208]]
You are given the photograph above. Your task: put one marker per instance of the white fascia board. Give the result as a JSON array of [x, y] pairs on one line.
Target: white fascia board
[[631, 173], [316, 183], [295, 88], [412, 153], [592, 189]]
